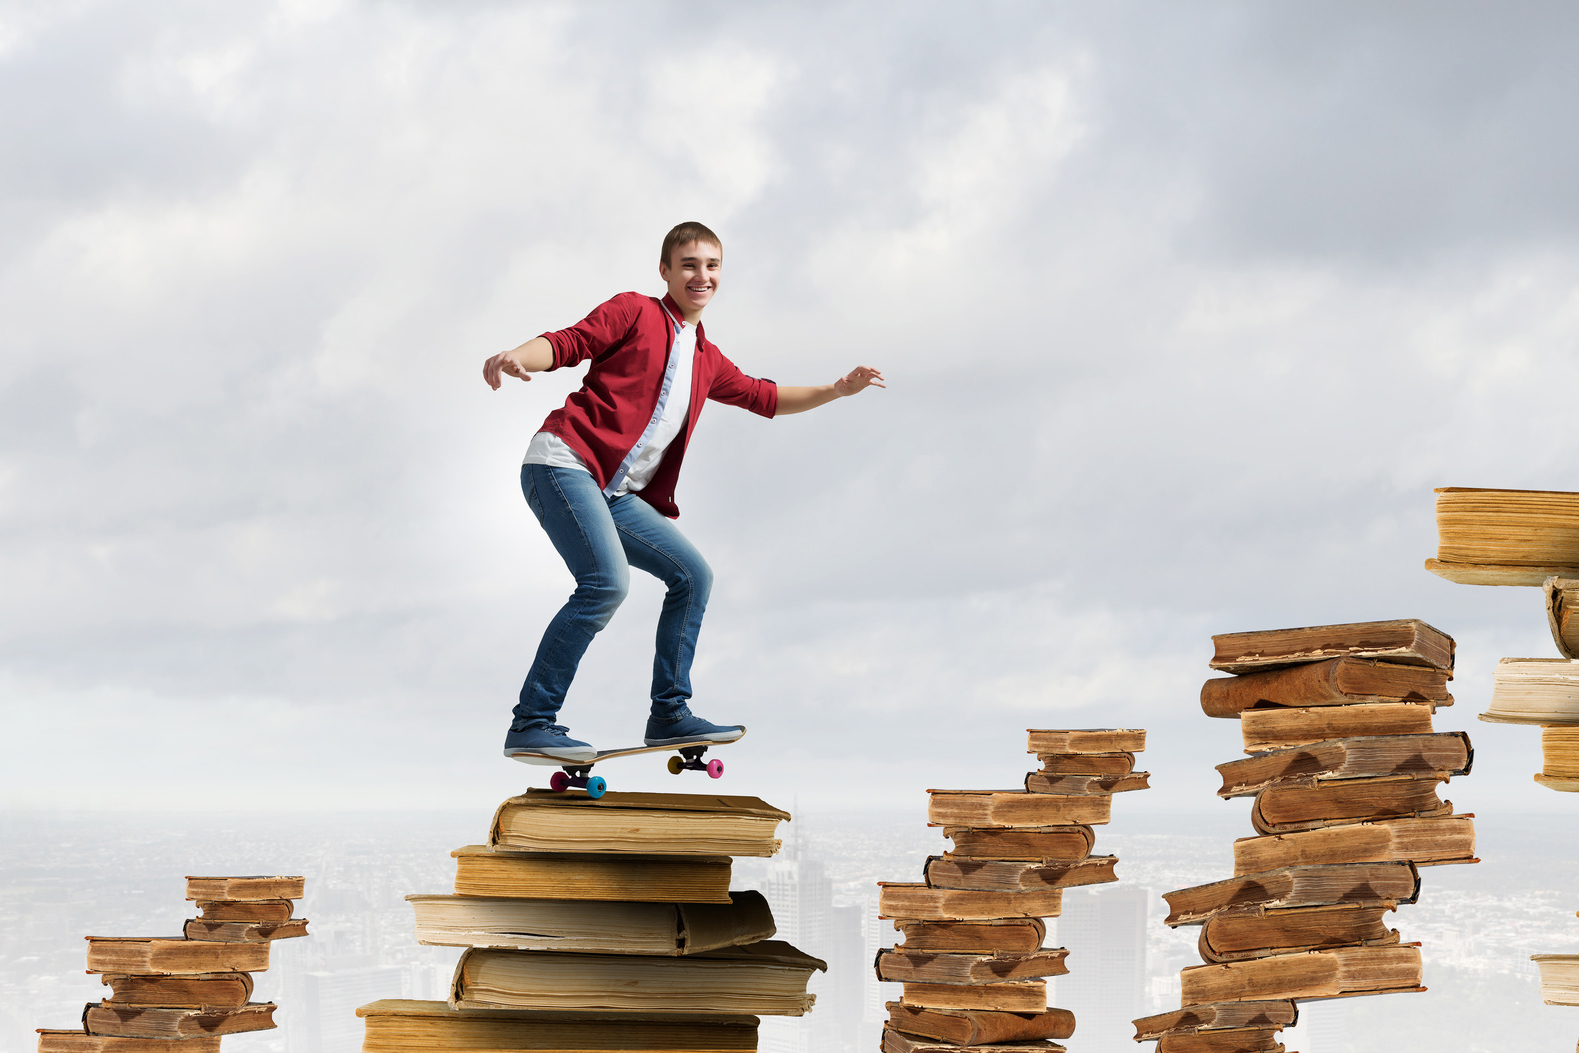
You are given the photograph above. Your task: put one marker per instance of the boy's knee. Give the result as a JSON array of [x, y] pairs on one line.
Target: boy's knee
[[605, 594]]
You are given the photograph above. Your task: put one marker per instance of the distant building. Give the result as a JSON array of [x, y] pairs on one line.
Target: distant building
[[1104, 929], [322, 1015]]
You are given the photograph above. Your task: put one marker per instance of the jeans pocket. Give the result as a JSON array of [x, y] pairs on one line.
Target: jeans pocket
[[534, 502]]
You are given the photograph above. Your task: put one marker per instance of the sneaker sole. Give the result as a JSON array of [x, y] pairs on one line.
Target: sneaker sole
[[549, 757], [718, 736]]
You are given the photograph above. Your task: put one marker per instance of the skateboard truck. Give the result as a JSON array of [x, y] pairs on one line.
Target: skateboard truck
[[690, 759], [579, 776]]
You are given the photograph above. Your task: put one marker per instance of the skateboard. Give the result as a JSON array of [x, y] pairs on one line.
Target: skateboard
[[579, 773]]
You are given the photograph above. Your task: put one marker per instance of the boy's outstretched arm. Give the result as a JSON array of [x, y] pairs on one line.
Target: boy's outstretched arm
[[799, 400], [534, 356]]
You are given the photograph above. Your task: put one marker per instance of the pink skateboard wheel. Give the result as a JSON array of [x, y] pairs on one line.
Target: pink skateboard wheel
[[715, 768], [559, 782]]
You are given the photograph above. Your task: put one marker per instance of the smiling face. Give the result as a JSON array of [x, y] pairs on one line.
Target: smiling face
[[692, 274]]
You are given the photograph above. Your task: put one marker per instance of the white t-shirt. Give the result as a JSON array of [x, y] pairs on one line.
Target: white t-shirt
[[674, 401]]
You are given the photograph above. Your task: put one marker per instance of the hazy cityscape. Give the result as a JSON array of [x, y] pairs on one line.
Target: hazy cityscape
[[66, 876]]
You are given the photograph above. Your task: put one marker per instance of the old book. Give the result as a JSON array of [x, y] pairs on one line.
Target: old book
[[1238, 1040], [1236, 935], [1562, 613], [1086, 740], [1437, 841], [1335, 682], [899, 1042], [904, 965], [1001, 875], [1042, 782], [1275, 729], [253, 887], [1534, 691], [1065, 843], [1434, 756], [1286, 808], [162, 1022], [245, 931], [191, 990], [1407, 641], [1560, 758], [766, 978], [1000, 936], [923, 903], [598, 927], [409, 1026], [51, 1040], [1505, 537], [977, 1027], [1018, 996], [173, 954], [481, 871], [640, 823], [1355, 884], [1014, 808], [1559, 978], [1332, 973], [270, 910], [1087, 763], [1215, 1016]]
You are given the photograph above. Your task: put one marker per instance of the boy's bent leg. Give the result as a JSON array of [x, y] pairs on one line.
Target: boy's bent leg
[[654, 544], [575, 515]]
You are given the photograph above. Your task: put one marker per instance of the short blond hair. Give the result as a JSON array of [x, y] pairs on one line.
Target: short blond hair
[[684, 234]]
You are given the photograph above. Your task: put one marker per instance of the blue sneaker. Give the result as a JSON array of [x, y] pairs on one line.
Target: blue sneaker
[[689, 728], [550, 740]]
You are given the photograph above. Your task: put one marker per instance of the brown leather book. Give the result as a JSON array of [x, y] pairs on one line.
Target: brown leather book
[[902, 965], [898, 899], [258, 887], [397, 1025], [1407, 641], [1437, 841], [1002, 875], [1210, 1016], [173, 954], [1383, 884], [1284, 809], [1064, 843], [1335, 682], [899, 1042], [1086, 740], [190, 991], [1016, 996], [1436, 756], [1315, 974], [1274, 729], [1087, 763], [52, 1040], [1008, 808], [164, 1022], [1238, 935], [978, 1027], [999, 936], [1042, 782]]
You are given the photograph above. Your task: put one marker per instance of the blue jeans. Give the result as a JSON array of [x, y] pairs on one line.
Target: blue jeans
[[600, 539]]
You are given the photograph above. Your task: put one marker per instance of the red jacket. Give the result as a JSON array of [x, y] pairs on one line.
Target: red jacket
[[628, 339]]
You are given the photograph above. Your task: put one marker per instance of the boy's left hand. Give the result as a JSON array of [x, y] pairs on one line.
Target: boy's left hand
[[858, 379]]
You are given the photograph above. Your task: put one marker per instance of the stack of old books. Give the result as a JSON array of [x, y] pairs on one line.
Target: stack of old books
[[604, 924], [1344, 771], [972, 961], [181, 993], [1524, 537]]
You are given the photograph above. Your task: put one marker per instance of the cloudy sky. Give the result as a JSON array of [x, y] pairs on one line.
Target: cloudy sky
[[1185, 309]]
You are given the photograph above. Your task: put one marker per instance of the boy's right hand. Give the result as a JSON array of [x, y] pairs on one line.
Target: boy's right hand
[[534, 356], [494, 370]]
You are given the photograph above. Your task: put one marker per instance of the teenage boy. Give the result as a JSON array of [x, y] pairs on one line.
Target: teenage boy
[[600, 477]]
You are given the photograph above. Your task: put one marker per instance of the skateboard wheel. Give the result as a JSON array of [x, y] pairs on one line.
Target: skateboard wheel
[[676, 765], [559, 782], [596, 787], [715, 768]]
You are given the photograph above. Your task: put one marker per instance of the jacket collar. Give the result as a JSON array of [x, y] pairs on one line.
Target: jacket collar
[[674, 312]]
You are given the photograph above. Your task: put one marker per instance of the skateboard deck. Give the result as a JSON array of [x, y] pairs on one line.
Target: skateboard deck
[[579, 773]]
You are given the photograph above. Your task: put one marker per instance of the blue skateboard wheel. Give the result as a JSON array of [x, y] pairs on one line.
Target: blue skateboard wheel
[[596, 787]]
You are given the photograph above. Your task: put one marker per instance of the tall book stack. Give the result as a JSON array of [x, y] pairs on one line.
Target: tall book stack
[[603, 924], [972, 961], [1524, 537], [1344, 771], [181, 993]]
